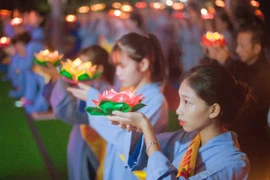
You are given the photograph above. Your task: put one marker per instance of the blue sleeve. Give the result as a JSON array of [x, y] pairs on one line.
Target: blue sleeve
[[155, 111], [65, 105], [159, 167], [233, 169]]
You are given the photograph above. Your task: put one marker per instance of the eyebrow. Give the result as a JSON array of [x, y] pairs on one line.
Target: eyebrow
[[185, 96]]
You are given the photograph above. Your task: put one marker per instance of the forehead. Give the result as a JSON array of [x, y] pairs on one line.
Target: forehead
[[119, 57], [244, 36], [186, 90]]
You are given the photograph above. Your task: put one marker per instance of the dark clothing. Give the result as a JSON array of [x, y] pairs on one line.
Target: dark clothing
[[252, 127]]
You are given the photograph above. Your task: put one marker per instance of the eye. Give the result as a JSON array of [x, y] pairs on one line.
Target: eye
[[187, 102]]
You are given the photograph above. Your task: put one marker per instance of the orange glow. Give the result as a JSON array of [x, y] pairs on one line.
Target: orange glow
[[16, 21], [211, 9], [204, 11], [157, 5], [258, 12], [4, 40], [116, 5], [71, 18], [254, 3], [83, 9], [141, 5], [98, 7], [178, 6], [169, 2], [126, 8], [220, 3], [4, 12], [117, 13]]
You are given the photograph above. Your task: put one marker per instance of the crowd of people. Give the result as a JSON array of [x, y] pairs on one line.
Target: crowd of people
[[221, 93]]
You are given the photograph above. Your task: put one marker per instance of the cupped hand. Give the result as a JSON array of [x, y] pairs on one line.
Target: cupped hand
[[80, 92], [129, 120]]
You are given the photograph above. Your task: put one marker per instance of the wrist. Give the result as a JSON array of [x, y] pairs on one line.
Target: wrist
[[145, 124]]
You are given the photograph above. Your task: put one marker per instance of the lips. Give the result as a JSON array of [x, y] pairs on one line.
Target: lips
[[181, 123]]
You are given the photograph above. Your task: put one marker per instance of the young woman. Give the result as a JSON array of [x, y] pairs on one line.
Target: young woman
[[83, 161], [140, 65], [204, 149]]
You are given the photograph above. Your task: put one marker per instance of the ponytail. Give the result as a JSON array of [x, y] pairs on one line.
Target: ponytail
[[139, 47]]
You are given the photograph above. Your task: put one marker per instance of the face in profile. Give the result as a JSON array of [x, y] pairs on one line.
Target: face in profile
[[246, 50], [127, 70], [193, 113]]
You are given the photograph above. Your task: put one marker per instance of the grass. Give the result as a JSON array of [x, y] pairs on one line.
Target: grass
[[20, 156]]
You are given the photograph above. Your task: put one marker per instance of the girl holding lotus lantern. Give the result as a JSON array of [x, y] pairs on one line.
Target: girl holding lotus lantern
[[204, 149], [140, 65], [85, 147]]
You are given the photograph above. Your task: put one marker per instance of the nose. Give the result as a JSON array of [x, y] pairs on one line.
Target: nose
[[179, 111], [118, 71]]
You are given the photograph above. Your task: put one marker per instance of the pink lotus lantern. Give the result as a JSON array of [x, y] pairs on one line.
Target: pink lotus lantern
[[109, 101]]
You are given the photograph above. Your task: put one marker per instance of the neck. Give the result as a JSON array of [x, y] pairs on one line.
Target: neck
[[210, 132], [253, 60], [145, 80]]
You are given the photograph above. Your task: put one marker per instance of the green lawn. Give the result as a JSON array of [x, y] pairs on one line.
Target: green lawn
[[20, 156]]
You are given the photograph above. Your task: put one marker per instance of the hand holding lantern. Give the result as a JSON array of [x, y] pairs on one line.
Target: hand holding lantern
[[110, 101], [213, 39]]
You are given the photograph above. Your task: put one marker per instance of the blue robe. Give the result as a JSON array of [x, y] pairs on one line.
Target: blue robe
[[35, 84], [66, 108], [219, 158], [156, 110], [88, 35]]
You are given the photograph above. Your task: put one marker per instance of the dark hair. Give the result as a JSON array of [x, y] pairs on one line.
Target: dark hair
[[257, 34], [137, 18], [138, 47], [214, 84], [224, 17], [99, 56], [23, 38]]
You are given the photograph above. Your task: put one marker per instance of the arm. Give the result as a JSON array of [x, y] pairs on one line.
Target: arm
[[65, 105], [156, 111]]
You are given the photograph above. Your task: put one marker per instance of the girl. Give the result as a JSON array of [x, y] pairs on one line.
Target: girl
[[204, 110], [83, 161], [139, 64]]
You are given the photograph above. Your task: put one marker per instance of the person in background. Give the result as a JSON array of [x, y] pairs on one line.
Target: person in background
[[253, 130], [85, 147]]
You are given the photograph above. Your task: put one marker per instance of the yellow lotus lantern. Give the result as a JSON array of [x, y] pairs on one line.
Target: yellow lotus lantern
[[74, 71], [45, 56]]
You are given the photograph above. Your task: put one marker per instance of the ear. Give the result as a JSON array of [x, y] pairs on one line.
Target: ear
[[257, 48], [100, 68], [214, 111], [144, 65]]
